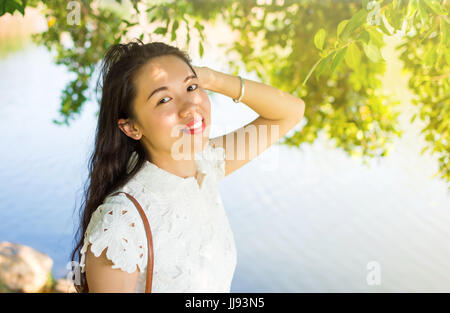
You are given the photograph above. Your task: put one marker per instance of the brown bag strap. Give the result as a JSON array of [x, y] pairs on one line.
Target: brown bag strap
[[148, 232]]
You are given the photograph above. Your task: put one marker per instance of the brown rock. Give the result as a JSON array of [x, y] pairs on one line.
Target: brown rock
[[64, 286], [23, 269]]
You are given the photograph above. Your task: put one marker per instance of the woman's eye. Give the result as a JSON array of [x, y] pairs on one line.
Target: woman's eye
[[161, 101], [196, 86]]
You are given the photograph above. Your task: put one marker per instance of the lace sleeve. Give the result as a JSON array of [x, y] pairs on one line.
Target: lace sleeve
[[117, 226]]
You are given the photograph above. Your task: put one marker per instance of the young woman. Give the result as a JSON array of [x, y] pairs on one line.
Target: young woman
[[153, 143]]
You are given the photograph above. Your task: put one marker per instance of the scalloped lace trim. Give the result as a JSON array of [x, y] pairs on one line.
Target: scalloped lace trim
[[118, 228]]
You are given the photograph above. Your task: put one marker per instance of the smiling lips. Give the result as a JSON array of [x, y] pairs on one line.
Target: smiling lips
[[195, 126]]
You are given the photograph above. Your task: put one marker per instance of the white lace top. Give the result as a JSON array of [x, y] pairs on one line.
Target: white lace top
[[194, 249]]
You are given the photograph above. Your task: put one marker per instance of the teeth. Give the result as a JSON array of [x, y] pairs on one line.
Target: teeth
[[197, 125]]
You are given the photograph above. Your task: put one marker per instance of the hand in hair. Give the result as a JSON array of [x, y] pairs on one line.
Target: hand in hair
[[205, 76]]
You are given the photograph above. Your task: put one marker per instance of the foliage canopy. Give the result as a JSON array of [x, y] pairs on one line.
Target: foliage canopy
[[326, 52]]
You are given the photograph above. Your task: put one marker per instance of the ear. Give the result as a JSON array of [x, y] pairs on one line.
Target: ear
[[128, 128]]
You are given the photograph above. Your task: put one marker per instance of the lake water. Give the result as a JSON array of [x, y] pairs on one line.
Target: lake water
[[313, 224]]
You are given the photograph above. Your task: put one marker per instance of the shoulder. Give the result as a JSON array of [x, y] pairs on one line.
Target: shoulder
[[117, 226]]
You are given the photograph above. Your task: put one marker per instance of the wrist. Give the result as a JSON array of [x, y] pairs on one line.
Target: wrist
[[212, 80], [223, 83]]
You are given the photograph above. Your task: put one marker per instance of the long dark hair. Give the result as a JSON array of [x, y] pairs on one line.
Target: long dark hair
[[107, 164]]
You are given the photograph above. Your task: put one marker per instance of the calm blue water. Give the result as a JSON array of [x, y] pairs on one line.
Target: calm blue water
[[313, 224]]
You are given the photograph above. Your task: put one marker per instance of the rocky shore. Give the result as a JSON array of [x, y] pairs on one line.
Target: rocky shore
[[25, 270]]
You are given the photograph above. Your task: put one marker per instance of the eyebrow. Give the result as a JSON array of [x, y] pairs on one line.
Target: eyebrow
[[165, 87]]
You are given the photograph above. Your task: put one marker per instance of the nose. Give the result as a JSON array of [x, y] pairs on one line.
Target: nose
[[190, 109]]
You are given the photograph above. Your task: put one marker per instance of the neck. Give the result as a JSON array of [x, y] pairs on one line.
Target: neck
[[182, 168]]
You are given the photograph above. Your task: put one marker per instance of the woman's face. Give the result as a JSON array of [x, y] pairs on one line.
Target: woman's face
[[168, 98]]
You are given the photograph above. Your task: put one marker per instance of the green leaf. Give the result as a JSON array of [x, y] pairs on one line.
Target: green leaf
[[199, 26], [430, 31], [200, 29], [174, 29], [356, 21], [175, 25], [435, 6], [21, 8], [151, 8], [311, 71], [188, 36], [364, 36], [338, 59], [200, 48], [10, 6], [383, 26], [430, 56], [395, 4], [422, 12], [353, 56], [161, 31], [319, 39], [341, 27], [323, 64], [372, 52], [129, 24], [376, 37], [412, 9]]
